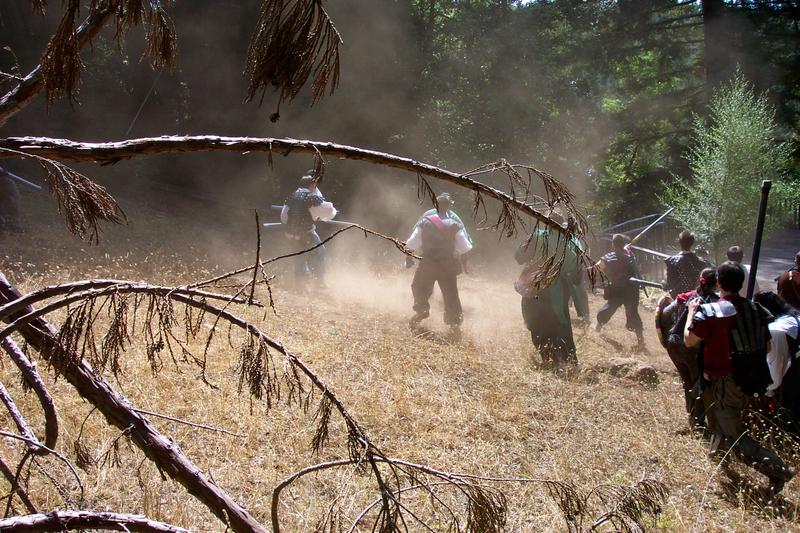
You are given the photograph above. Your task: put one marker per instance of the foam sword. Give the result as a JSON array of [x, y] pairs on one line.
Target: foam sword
[[20, 179]]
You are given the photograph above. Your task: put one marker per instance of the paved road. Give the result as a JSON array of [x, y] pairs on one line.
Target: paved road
[[777, 254]]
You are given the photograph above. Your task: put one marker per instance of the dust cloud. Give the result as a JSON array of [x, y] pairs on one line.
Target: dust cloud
[[202, 206]]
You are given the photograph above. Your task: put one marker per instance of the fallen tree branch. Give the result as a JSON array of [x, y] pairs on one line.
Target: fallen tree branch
[[162, 451], [35, 382], [15, 488], [21, 95], [58, 521], [255, 370], [34, 445], [112, 152]]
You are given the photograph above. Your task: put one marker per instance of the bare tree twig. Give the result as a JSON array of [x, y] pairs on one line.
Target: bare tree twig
[[400, 245], [187, 423], [36, 443], [15, 488], [33, 445], [35, 382], [258, 257]]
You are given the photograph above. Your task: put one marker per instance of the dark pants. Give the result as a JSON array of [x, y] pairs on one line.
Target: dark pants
[[699, 403], [628, 298], [729, 431], [309, 264], [446, 274], [556, 346], [789, 397], [551, 337]]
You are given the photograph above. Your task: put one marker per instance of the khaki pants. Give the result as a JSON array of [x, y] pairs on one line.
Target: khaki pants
[[730, 434]]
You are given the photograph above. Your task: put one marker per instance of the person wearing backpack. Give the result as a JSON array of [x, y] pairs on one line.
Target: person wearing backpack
[[737, 339], [684, 268], [440, 240], [619, 265], [545, 310], [671, 322]]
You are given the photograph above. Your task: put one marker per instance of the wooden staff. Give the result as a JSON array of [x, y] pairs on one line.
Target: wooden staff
[[762, 213]]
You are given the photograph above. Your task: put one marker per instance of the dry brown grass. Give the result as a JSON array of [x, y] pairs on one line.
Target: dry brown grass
[[477, 406]]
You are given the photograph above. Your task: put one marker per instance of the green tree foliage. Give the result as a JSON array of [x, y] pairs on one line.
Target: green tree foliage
[[600, 93], [729, 156]]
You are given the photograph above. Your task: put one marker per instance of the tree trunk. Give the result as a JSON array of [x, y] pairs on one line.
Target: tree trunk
[[715, 53]]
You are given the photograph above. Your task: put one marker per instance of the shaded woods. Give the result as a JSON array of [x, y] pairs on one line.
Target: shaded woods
[[599, 94], [457, 84]]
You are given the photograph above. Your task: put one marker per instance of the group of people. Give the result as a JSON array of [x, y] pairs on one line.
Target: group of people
[[731, 352], [726, 348]]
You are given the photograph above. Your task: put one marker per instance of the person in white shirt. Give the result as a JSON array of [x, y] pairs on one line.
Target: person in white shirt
[[784, 332], [440, 240], [736, 255]]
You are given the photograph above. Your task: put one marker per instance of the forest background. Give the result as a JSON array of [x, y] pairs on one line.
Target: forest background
[[602, 94]]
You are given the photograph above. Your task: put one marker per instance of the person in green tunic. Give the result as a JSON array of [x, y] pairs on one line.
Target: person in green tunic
[[577, 289], [546, 312]]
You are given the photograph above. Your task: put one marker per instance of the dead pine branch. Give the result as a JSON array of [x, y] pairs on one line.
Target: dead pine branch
[[629, 509], [60, 520], [292, 42], [83, 202], [256, 369], [519, 201], [34, 446], [117, 410], [33, 380], [59, 70], [111, 152]]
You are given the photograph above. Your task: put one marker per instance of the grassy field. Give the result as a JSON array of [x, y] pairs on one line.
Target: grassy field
[[480, 406]]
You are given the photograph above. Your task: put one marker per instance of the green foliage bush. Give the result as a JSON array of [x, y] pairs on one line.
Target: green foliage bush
[[729, 157]]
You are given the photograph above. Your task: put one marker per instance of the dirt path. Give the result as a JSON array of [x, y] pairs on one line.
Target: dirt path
[[777, 254]]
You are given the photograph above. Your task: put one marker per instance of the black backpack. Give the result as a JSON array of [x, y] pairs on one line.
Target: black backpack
[[749, 340]]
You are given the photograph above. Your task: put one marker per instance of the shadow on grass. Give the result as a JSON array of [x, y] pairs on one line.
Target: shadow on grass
[[741, 490]]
